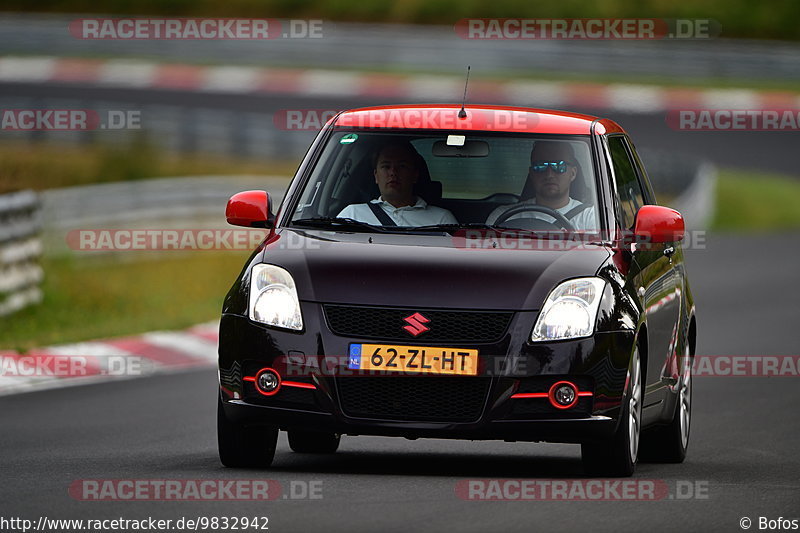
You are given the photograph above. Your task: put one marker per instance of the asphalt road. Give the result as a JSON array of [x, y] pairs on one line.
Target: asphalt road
[[760, 151], [743, 453]]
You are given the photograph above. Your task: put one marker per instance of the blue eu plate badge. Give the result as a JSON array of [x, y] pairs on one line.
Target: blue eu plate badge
[[355, 356]]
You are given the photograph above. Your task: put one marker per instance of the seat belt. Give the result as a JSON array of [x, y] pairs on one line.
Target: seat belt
[[381, 215], [575, 211]]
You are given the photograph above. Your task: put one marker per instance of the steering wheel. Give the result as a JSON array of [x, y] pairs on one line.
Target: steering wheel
[[560, 220]]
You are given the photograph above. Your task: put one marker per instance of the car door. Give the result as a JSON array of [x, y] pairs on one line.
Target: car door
[[653, 276]]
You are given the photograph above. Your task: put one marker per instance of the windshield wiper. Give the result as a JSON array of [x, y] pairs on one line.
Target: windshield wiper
[[344, 224], [338, 223], [450, 228], [453, 228]]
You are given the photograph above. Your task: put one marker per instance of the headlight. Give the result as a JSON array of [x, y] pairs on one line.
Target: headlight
[[273, 298], [570, 310]]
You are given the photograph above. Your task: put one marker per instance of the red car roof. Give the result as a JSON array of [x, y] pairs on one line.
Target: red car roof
[[479, 118]]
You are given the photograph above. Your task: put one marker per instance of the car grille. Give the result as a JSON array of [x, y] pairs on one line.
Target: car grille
[[435, 399], [387, 323]]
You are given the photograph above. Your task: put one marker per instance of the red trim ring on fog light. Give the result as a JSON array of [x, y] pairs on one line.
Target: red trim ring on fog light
[[257, 382], [551, 394]]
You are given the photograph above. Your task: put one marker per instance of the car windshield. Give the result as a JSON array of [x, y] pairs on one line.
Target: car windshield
[[367, 181]]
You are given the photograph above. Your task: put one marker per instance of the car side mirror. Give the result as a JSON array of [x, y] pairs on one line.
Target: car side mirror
[[251, 209], [655, 224]]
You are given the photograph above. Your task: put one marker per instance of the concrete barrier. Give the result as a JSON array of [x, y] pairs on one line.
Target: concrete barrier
[[683, 182]]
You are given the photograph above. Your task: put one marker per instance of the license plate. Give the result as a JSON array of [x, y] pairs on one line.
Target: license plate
[[414, 359]]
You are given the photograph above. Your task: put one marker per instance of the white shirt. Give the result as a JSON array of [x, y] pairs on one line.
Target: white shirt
[[585, 220], [419, 214]]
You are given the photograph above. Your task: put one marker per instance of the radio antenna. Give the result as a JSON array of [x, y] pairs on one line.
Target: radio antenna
[[463, 112]]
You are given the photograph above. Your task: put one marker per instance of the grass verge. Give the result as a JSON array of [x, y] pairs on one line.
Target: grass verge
[[749, 201], [88, 298], [41, 166], [739, 18]]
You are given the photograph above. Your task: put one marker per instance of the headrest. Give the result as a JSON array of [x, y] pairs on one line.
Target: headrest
[[425, 188]]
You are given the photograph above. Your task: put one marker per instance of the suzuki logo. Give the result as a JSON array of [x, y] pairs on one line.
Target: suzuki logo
[[416, 324]]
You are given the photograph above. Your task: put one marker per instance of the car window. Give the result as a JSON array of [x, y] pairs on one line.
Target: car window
[[649, 195], [629, 191], [458, 185], [502, 171]]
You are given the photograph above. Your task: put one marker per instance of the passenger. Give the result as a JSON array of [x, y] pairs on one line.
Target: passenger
[[396, 170]]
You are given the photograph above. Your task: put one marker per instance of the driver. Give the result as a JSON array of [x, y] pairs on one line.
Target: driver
[[552, 171]]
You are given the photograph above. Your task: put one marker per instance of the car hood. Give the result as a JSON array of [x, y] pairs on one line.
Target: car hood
[[428, 270]]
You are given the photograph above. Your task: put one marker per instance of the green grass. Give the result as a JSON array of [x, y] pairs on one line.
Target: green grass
[[90, 298], [41, 166], [776, 19], [748, 201]]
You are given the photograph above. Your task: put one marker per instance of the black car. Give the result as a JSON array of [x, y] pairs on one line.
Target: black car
[[481, 273]]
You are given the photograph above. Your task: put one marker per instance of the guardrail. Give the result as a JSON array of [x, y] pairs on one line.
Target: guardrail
[[174, 129], [196, 202], [683, 182], [425, 48], [20, 248]]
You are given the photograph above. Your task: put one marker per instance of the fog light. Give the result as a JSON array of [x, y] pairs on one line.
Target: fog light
[[268, 381], [563, 395]]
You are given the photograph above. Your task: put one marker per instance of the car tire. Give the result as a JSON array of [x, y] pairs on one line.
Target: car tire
[[313, 441], [243, 446], [617, 456], [668, 444]]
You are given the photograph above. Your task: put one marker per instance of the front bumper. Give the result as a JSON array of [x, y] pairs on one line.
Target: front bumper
[[322, 394]]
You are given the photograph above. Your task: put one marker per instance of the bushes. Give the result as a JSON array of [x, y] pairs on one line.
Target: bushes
[[739, 18]]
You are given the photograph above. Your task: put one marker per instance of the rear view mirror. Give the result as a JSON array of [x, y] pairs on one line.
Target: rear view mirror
[[251, 209], [656, 224], [468, 149]]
